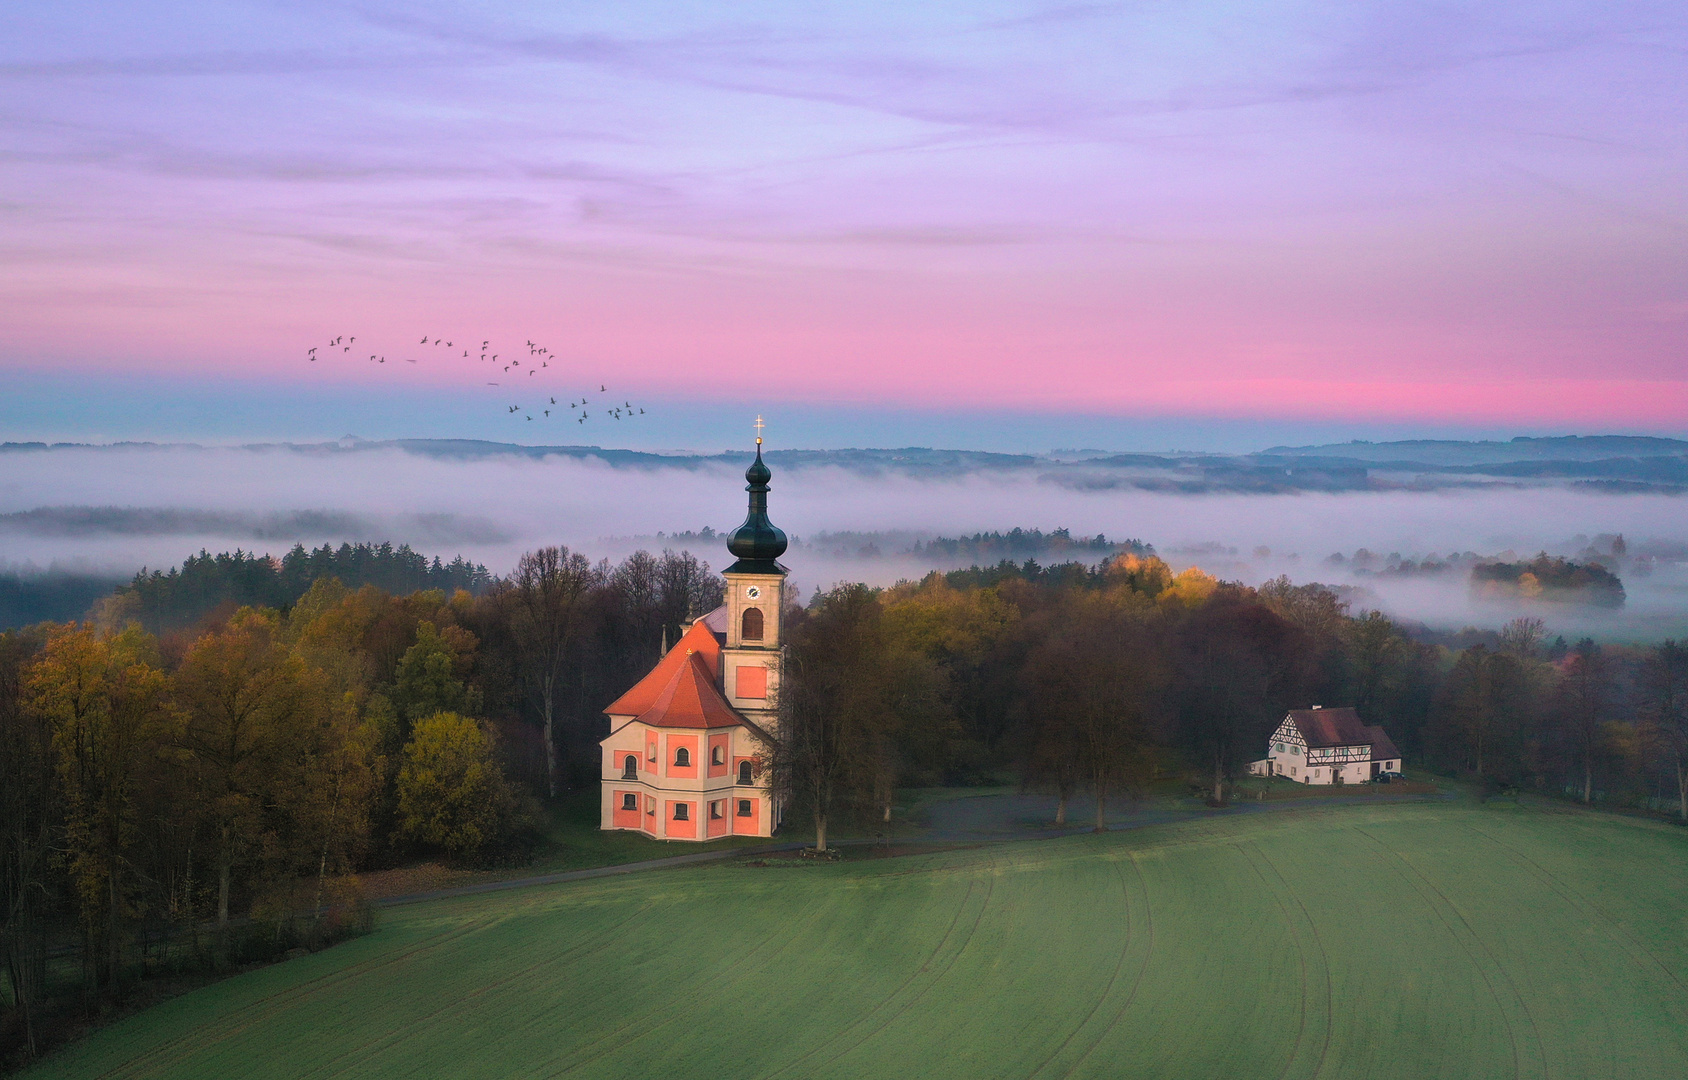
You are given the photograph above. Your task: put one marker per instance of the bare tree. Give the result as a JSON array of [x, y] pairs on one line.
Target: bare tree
[[551, 591], [1665, 682], [1585, 697]]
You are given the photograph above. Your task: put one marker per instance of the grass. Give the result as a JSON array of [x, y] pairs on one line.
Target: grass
[[1400, 940]]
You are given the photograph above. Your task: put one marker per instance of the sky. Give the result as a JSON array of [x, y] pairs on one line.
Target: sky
[[992, 225]]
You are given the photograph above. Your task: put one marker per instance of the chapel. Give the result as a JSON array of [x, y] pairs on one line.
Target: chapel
[[684, 757]]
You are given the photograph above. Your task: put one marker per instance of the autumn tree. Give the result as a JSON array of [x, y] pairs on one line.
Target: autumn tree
[[451, 791], [251, 711], [30, 819], [103, 697]]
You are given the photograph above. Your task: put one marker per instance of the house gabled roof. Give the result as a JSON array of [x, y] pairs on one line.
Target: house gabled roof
[[1332, 727], [698, 641], [1382, 748]]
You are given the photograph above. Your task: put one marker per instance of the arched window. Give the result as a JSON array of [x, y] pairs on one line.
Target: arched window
[[682, 758], [744, 772], [718, 755], [751, 627], [630, 767], [630, 801]]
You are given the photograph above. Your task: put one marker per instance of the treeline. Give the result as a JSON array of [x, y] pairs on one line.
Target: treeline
[[196, 799], [1017, 544], [1097, 678], [205, 583]]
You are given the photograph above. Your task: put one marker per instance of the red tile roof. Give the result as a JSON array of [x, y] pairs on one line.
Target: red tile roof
[[690, 700], [1382, 748], [1342, 727], [699, 641]]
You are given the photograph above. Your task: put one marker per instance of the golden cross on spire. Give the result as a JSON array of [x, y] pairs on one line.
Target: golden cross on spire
[[759, 426]]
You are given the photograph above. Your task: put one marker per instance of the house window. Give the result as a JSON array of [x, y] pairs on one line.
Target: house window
[[718, 755], [715, 809], [630, 801], [750, 627], [630, 768], [744, 772], [682, 758], [682, 812], [744, 808], [1279, 747]]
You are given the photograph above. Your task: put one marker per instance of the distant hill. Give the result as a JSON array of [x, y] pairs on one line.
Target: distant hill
[[1456, 452], [1607, 463]]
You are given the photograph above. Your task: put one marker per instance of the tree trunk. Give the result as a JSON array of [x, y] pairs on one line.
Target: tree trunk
[[1682, 789], [550, 741], [222, 906], [1101, 808], [1061, 809], [114, 944], [1218, 776], [1588, 781], [820, 832], [887, 818]]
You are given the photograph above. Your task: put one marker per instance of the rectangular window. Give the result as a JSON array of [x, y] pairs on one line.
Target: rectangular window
[[752, 681], [715, 810], [680, 812], [744, 808], [630, 801], [650, 805]]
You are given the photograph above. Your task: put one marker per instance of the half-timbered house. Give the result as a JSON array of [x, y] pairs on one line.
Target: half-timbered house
[[1328, 746]]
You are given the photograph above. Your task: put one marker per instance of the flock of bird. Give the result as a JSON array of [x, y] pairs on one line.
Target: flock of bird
[[578, 411]]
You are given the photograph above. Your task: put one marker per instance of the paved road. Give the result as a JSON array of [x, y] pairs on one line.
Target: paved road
[[980, 820]]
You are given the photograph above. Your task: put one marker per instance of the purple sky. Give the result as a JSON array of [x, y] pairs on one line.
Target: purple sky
[[1337, 219]]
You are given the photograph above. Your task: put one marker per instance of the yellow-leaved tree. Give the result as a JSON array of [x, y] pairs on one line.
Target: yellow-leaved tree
[[103, 697], [451, 791]]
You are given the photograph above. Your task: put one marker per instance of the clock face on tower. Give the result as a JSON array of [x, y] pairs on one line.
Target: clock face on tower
[[754, 592]]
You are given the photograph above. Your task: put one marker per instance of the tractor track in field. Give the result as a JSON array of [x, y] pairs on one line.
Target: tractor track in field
[[795, 933], [1442, 905], [1634, 946], [1136, 983], [242, 1016], [1279, 891], [601, 940], [990, 888]]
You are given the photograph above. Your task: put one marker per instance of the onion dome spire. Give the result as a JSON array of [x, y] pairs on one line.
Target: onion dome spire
[[758, 542]]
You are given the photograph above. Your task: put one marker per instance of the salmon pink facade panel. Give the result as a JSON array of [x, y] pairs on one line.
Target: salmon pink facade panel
[[751, 681], [719, 821], [681, 820], [624, 814], [747, 816], [682, 757]]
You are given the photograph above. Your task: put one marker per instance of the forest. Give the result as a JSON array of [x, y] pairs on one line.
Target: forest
[[197, 772]]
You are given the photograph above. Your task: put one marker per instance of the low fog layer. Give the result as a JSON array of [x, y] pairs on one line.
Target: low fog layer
[[117, 509]]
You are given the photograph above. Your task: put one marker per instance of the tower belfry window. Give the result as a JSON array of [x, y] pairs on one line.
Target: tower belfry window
[[751, 625]]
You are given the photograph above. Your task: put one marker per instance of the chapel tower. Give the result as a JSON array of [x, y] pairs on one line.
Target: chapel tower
[[686, 756], [755, 598]]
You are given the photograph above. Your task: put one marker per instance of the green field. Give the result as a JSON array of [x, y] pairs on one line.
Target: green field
[[1409, 940]]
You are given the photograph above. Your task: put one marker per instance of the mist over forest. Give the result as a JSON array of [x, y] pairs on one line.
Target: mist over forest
[[1397, 525]]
